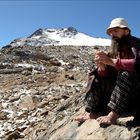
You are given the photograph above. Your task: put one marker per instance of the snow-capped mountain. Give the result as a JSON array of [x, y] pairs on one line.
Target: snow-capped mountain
[[60, 36]]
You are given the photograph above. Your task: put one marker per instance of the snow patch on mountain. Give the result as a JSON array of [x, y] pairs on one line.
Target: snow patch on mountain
[[60, 36]]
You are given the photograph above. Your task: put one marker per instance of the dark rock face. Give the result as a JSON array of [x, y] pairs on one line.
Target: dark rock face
[[42, 90], [38, 32]]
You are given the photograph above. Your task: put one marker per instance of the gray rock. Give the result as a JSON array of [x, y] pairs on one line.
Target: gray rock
[[42, 90]]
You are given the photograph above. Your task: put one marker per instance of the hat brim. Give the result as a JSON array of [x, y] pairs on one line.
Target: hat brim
[[108, 29]]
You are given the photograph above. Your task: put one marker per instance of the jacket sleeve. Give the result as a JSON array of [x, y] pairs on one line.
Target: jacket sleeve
[[124, 64], [135, 43], [120, 64]]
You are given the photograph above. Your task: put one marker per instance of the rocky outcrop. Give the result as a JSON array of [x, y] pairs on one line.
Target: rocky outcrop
[[40, 100], [91, 129]]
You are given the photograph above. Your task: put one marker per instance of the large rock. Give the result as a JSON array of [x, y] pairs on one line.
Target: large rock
[[91, 130]]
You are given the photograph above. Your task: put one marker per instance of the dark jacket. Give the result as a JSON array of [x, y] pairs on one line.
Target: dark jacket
[[135, 44]]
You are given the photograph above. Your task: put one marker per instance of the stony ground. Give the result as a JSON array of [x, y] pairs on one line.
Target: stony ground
[[42, 89], [39, 86]]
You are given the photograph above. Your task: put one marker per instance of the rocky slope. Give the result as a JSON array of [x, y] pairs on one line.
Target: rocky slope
[[42, 87], [36, 82], [42, 90]]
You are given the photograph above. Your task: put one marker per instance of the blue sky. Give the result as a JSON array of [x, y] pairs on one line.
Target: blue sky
[[21, 18]]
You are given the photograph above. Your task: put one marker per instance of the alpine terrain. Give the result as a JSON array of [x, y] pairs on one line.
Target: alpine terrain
[[42, 88]]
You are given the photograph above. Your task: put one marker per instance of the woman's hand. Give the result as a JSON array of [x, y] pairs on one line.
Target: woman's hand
[[102, 59], [100, 66]]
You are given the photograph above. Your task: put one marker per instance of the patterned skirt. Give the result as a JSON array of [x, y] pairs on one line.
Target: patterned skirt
[[119, 94]]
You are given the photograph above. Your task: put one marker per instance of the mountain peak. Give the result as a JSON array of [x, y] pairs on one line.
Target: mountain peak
[[63, 32], [72, 30], [40, 31], [60, 36]]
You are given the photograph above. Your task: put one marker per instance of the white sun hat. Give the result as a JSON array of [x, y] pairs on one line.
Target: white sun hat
[[117, 22]]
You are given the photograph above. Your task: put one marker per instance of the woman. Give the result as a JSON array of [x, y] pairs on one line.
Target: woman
[[115, 89]]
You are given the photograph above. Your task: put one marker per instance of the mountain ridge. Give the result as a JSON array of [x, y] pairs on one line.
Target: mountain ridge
[[59, 36]]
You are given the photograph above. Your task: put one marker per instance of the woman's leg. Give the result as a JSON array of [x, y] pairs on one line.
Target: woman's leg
[[96, 99], [126, 90]]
